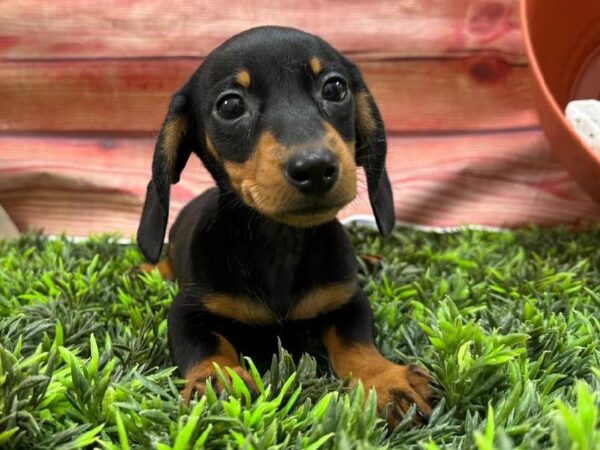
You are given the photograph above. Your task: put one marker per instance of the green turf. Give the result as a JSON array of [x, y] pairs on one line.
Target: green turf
[[507, 322]]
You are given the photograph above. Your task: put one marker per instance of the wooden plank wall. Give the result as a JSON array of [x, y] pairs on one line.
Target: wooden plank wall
[[84, 86]]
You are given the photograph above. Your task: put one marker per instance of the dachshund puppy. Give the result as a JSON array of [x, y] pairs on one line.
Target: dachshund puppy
[[281, 120]]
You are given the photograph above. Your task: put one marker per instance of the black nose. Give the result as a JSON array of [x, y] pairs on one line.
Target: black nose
[[312, 172]]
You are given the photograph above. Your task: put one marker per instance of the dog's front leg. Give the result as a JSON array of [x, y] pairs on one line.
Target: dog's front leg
[[195, 347], [348, 337]]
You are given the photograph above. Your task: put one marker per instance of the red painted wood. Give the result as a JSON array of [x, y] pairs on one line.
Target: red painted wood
[[95, 185], [434, 66], [44, 29], [479, 92]]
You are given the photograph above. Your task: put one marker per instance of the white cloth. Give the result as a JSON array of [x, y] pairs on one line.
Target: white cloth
[[584, 115]]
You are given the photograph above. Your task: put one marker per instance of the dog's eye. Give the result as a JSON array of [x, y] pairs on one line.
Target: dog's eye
[[231, 107], [334, 90]]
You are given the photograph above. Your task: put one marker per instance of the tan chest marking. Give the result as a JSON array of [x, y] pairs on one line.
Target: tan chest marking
[[318, 301], [241, 309], [322, 300]]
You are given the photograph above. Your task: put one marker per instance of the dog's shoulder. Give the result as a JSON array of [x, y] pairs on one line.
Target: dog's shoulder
[[196, 215]]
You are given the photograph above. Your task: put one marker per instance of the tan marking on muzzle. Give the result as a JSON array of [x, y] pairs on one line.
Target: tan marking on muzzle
[[261, 183], [345, 152], [262, 171]]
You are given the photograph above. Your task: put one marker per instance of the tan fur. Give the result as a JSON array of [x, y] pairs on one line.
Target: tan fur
[[225, 356], [261, 183], [242, 77], [315, 66], [241, 309], [172, 132], [345, 152], [365, 121], [163, 267], [394, 384], [318, 301], [323, 300]]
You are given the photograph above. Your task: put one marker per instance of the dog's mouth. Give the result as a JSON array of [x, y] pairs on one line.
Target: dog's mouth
[[314, 209], [309, 215]]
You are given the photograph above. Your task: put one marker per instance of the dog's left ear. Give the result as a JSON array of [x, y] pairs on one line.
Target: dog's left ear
[[173, 148], [371, 149]]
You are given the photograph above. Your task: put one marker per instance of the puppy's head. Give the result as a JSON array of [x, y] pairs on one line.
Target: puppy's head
[[282, 120]]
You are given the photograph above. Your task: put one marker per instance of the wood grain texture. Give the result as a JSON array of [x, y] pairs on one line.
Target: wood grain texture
[[474, 93], [43, 29], [96, 185], [450, 71]]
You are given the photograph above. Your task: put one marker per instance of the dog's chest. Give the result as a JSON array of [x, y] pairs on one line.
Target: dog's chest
[[283, 278]]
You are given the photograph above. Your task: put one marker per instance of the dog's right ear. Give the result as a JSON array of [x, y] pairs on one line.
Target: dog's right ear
[[173, 148]]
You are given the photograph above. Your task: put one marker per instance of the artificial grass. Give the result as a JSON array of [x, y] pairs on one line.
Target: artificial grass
[[507, 322]]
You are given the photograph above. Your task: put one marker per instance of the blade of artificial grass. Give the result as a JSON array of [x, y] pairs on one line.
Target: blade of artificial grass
[[6, 435], [121, 431]]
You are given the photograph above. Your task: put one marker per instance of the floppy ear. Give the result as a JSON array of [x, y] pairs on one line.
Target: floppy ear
[[172, 150], [371, 149]]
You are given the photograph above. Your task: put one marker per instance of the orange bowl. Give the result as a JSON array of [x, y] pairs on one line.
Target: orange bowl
[[562, 39]]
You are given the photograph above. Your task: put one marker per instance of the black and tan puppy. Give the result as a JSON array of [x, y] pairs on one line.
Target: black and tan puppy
[[281, 120]]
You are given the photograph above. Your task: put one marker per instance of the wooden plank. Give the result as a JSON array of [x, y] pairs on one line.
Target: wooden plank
[[499, 180], [369, 28], [94, 185], [474, 93]]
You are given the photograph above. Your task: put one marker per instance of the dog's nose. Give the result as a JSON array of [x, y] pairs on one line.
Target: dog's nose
[[312, 172]]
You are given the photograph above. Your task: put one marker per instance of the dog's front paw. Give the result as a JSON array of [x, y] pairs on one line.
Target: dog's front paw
[[398, 388], [197, 379]]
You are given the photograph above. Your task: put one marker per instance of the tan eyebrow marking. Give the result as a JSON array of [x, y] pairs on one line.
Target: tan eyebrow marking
[[315, 65], [243, 78]]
